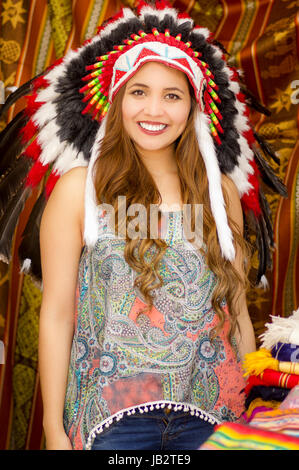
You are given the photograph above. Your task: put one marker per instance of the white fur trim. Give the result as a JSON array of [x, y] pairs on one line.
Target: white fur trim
[[207, 149], [91, 223], [281, 330]]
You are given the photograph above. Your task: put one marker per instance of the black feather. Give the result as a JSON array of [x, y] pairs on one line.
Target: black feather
[[266, 244], [256, 225], [9, 221], [13, 182], [266, 147], [267, 216], [22, 91], [221, 47], [261, 251], [10, 142], [253, 102], [268, 175], [30, 245]]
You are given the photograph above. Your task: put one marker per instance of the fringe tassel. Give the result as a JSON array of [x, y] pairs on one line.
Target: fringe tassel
[[256, 362], [283, 330]]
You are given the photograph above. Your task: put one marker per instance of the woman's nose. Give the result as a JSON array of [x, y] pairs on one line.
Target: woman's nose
[[153, 107]]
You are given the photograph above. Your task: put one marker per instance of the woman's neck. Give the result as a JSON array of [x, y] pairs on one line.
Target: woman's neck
[[159, 162]]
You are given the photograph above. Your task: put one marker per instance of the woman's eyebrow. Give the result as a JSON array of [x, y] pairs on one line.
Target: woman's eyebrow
[[138, 84], [165, 89], [174, 88]]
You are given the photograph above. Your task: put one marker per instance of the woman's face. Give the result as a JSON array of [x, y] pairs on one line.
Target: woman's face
[[156, 106]]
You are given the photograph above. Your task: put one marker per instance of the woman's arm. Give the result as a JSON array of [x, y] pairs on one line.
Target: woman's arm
[[61, 245], [245, 336]]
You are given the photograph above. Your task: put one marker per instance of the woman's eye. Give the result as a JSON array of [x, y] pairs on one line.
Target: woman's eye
[[137, 92], [173, 96]]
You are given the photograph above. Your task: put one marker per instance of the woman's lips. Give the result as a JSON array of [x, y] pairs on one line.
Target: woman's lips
[[153, 132]]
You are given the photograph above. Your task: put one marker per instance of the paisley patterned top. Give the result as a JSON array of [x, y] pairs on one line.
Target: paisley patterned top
[[122, 361]]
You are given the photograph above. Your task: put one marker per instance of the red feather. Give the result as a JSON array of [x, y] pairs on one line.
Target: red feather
[[52, 180], [33, 150], [28, 132], [250, 200], [36, 173]]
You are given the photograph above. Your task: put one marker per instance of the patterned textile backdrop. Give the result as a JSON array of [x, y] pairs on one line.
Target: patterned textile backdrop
[[262, 37]]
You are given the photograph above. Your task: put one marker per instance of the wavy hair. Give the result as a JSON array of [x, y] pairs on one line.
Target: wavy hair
[[119, 171]]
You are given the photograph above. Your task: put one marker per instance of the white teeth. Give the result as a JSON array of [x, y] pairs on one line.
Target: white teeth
[[151, 127]]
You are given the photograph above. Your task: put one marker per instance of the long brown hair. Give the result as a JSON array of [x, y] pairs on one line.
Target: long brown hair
[[119, 171]]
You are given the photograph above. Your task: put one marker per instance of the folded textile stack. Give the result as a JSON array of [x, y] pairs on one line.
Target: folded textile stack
[[273, 370], [272, 394]]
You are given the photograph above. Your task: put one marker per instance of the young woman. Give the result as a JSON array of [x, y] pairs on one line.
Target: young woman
[[143, 323], [162, 356]]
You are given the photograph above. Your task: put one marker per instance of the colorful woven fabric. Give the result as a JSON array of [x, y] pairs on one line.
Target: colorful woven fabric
[[234, 436], [278, 420], [286, 352], [272, 378]]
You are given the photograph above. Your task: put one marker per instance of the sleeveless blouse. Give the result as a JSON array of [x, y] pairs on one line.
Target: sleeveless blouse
[[122, 361]]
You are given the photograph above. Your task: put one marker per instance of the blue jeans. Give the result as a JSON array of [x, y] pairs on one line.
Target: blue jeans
[[156, 430]]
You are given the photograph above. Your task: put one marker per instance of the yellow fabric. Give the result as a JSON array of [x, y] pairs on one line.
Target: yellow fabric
[[256, 362]]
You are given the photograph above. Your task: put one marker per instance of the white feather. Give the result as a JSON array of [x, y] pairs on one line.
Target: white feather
[[207, 150], [51, 145], [127, 12], [240, 180], [160, 14], [185, 20], [46, 94], [26, 266], [264, 284], [44, 114], [65, 160], [201, 30]]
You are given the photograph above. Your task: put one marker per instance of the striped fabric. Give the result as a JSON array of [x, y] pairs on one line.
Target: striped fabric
[[278, 420], [234, 436]]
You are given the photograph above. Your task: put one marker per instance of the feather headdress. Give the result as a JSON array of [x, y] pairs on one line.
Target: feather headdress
[[64, 123]]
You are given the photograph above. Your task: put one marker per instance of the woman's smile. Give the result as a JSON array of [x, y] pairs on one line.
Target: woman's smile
[[152, 128]]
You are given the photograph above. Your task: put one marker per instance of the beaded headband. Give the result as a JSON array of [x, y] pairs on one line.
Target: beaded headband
[[114, 69]]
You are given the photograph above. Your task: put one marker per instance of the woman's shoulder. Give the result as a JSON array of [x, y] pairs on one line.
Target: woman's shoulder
[[71, 184], [67, 197]]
